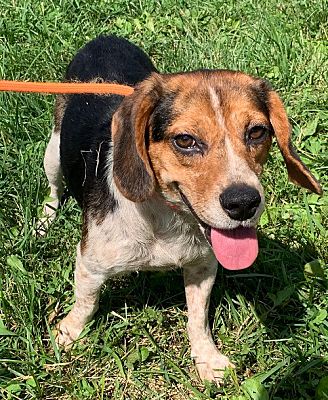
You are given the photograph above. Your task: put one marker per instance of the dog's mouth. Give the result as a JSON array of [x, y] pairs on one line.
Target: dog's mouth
[[234, 248]]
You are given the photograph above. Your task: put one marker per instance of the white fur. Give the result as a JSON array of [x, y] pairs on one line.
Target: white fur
[[237, 171], [150, 236], [55, 178], [217, 107]]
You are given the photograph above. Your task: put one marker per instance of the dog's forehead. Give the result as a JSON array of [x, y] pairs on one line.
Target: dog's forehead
[[200, 100], [197, 84]]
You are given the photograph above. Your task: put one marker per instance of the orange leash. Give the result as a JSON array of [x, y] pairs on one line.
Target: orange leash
[[65, 87]]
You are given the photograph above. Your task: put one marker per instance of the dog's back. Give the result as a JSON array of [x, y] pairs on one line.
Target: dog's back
[[112, 59], [85, 125]]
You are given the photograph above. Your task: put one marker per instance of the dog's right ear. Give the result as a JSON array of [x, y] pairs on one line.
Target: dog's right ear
[[132, 171]]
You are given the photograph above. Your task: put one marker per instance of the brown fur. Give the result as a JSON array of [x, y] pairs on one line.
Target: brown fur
[[59, 110], [297, 171], [150, 172], [194, 113]]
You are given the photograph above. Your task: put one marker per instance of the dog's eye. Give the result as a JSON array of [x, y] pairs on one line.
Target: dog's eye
[[185, 141], [257, 134], [189, 145]]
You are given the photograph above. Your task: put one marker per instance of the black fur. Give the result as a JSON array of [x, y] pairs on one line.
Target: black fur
[[163, 115], [112, 59], [260, 96], [85, 131]]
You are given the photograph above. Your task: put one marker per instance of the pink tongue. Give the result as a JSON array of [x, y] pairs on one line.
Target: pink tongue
[[235, 248]]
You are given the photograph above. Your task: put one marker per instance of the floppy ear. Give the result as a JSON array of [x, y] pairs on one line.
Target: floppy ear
[[297, 171], [132, 172]]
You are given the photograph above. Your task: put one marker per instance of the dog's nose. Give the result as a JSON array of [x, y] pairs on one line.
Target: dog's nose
[[240, 202]]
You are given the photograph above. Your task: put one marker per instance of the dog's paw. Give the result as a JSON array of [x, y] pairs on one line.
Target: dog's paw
[[211, 366], [66, 334]]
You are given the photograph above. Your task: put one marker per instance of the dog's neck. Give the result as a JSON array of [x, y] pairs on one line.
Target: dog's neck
[[156, 211]]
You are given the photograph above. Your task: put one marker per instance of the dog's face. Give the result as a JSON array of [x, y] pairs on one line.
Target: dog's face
[[210, 148], [201, 140]]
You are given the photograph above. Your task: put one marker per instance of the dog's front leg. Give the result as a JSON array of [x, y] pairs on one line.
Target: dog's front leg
[[88, 283], [209, 361]]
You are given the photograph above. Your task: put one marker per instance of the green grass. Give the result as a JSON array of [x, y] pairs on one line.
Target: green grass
[[271, 319]]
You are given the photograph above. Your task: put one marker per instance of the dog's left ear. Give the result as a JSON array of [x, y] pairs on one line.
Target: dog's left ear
[[297, 171], [132, 171]]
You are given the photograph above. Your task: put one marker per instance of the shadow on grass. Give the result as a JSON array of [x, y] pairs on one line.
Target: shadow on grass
[[284, 300], [273, 287]]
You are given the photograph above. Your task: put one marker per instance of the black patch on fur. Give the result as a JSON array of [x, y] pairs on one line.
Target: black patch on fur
[[85, 132], [260, 96], [64, 198], [112, 59], [85, 143], [98, 199], [162, 116]]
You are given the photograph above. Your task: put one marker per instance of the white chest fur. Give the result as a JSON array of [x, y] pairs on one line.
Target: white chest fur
[[145, 236]]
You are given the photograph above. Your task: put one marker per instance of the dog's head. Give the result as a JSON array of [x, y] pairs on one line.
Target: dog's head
[[200, 139]]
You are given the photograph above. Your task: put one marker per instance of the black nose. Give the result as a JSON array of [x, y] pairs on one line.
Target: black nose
[[240, 202]]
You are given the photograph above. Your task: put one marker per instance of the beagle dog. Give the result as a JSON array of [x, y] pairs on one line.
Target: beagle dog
[[166, 177]]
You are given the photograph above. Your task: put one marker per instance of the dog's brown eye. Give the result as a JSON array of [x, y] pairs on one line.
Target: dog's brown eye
[[188, 145], [185, 141], [257, 134]]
